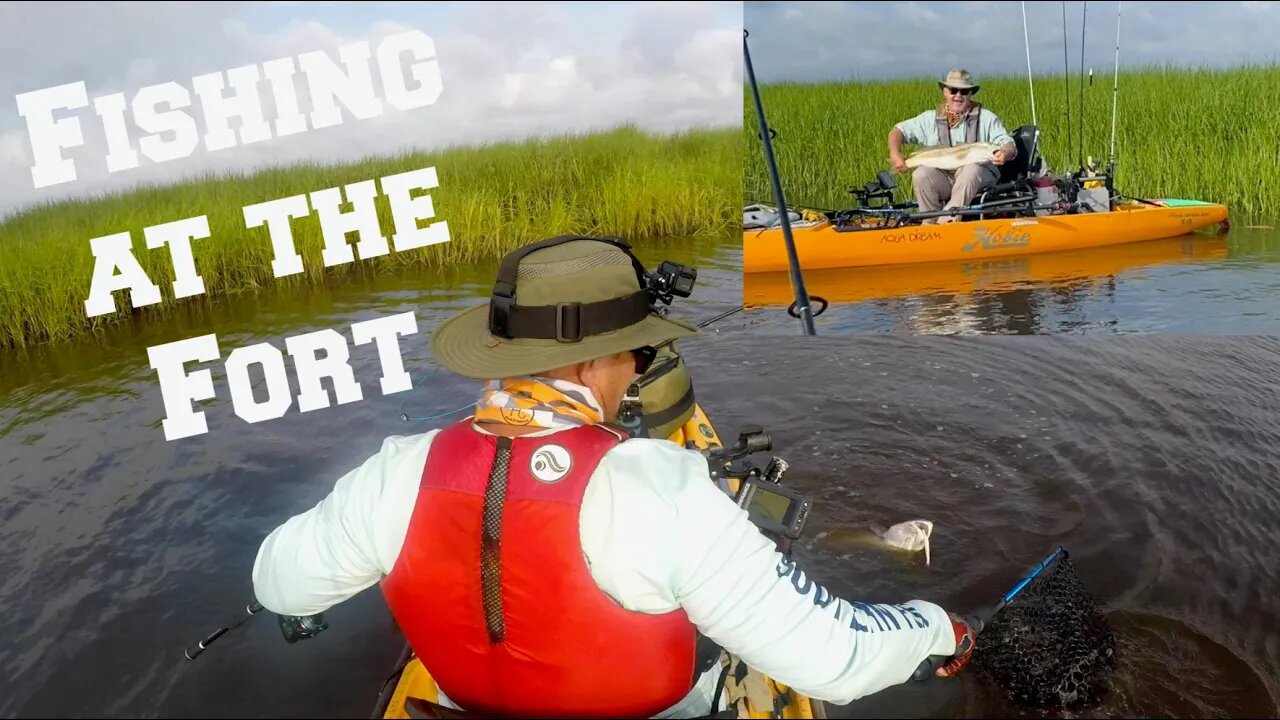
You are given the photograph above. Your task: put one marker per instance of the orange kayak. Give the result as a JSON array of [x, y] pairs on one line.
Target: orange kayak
[[998, 274], [819, 244]]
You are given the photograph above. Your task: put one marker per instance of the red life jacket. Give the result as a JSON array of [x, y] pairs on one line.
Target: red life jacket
[[499, 603]]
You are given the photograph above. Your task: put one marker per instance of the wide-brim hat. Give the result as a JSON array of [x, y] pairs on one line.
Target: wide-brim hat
[[959, 79], [580, 298]]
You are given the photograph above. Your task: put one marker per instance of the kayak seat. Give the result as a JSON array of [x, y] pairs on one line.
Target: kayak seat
[[1025, 165], [1015, 175]]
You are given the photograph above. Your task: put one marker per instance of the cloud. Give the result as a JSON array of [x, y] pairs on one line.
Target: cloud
[[544, 68], [811, 42]]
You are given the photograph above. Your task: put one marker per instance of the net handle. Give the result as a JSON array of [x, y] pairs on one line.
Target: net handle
[[931, 664], [1058, 553]]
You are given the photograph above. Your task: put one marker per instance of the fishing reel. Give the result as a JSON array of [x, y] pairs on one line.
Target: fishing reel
[[671, 279], [780, 512], [301, 627], [292, 627]]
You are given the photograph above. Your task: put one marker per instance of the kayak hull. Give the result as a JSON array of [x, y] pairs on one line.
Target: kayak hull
[[413, 681], [988, 275], [819, 245]]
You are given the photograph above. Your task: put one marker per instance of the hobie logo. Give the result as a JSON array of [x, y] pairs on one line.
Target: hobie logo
[[550, 463], [991, 239]]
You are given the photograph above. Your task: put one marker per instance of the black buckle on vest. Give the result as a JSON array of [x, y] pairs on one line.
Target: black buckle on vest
[[568, 322]]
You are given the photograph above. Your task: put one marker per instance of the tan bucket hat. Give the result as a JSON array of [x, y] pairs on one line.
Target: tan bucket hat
[[561, 301], [958, 79]]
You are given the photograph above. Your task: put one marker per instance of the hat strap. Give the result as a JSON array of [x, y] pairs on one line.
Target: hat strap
[[511, 263], [565, 322]]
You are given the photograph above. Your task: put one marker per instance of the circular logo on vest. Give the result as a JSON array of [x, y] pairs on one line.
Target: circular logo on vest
[[550, 463]]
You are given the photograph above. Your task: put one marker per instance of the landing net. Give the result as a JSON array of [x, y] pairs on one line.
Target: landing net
[[1050, 646]]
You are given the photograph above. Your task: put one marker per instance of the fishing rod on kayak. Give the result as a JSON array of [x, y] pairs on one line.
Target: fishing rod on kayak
[[797, 279], [1031, 87], [1066, 83], [1115, 99], [1084, 19]]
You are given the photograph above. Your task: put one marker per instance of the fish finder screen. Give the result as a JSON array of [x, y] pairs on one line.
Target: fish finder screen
[[770, 505]]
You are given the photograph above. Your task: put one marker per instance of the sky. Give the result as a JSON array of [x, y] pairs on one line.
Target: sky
[[817, 41], [508, 70]]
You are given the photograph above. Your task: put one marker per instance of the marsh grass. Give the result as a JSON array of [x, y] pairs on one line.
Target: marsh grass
[[1180, 132], [623, 182]]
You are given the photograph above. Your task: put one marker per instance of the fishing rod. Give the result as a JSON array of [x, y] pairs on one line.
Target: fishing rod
[[1031, 88], [983, 617], [720, 317], [1066, 82], [1115, 98], [194, 651], [293, 627], [797, 280], [1084, 19]]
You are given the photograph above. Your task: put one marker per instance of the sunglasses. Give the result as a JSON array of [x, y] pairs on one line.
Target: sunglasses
[[644, 358], [960, 91]]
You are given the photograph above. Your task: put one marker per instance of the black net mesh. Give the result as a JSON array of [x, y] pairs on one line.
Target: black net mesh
[[1050, 647]]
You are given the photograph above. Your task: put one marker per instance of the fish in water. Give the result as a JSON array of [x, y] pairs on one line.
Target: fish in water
[[952, 158], [911, 536]]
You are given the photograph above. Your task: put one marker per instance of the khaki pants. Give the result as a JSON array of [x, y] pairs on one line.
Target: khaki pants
[[945, 189]]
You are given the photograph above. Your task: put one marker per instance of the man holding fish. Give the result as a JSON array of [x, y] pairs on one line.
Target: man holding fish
[[967, 144]]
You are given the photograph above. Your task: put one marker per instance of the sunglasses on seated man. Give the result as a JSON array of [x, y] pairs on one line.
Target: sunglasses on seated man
[[960, 91]]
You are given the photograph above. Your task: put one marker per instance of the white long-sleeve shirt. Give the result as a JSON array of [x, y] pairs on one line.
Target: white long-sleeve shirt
[[658, 535]]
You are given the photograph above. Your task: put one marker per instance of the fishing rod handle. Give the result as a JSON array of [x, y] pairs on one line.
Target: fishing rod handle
[[252, 609], [200, 646]]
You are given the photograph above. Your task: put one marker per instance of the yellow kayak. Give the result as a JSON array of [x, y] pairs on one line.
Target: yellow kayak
[[820, 244], [756, 697]]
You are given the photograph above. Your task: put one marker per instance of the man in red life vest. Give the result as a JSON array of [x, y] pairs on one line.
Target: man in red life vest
[[541, 566]]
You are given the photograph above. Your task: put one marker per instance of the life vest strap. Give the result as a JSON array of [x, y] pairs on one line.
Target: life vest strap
[[970, 125], [495, 493]]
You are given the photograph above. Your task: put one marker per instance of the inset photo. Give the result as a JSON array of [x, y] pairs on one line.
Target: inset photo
[[1109, 515], [1082, 168]]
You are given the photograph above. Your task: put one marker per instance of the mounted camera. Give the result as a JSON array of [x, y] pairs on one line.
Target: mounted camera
[[670, 279]]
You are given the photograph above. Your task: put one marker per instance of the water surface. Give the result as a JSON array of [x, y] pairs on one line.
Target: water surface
[[1152, 459]]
